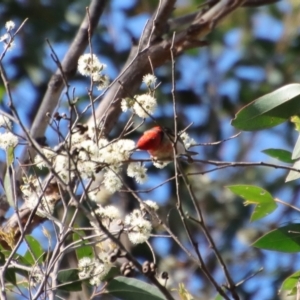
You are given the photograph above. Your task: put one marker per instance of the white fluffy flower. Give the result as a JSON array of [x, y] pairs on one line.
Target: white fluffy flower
[[86, 168], [102, 81], [90, 147], [144, 105], [89, 65], [187, 140], [45, 205], [160, 164], [7, 140], [126, 104], [64, 167], [99, 272], [85, 266], [149, 80], [9, 25], [138, 171], [36, 275], [5, 122], [4, 37], [124, 147], [110, 212], [111, 181], [139, 229], [117, 152], [153, 205], [40, 162]]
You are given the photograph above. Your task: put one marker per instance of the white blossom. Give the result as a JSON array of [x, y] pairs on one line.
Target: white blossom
[[89, 65], [111, 181], [86, 168], [160, 164], [110, 212], [139, 229], [144, 105], [99, 272], [187, 140], [4, 37], [151, 204], [9, 25], [85, 266], [127, 103], [40, 162], [138, 171], [90, 147], [36, 276], [102, 81], [64, 167], [7, 140], [93, 195], [45, 205], [5, 122], [117, 152], [149, 80]]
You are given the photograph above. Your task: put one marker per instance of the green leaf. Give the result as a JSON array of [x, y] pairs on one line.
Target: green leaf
[[83, 251], [2, 259], [9, 156], [68, 280], [219, 297], [283, 239], [293, 175], [289, 284], [10, 276], [36, 252], [269, 110], [296, 151], [263, 201], [280, 154], [113, 272], [21, 272], [8, 188], [7, 178], [132, 289]]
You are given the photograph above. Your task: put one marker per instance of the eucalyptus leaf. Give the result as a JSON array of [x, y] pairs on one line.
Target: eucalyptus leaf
[[269, 110], [283, 239], [133, 289]]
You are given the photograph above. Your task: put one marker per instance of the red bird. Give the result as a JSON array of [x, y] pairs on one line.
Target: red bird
[[159, 141]]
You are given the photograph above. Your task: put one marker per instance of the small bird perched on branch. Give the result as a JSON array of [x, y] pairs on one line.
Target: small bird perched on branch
[[159, 143]]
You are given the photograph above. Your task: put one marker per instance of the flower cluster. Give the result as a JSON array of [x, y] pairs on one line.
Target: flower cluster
[[8, 139], [7, 38], [108, 213], [89, 65], [139, 229], [36, 276], [138, 171], [94, 269], [187, 140], [149, 80], [137, 224], [50, 156], [36, 197], [142, 105], [109, 156]]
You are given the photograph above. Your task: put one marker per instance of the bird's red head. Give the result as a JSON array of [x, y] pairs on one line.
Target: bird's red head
[[151, 139]]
